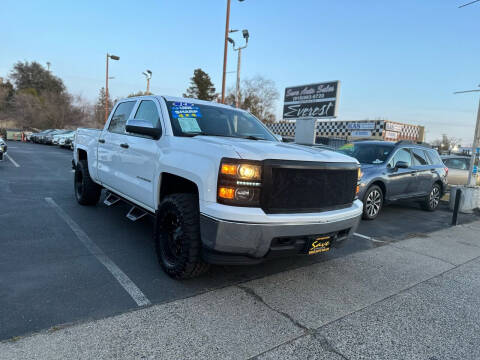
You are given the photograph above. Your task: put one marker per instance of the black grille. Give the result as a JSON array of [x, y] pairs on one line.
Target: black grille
[[291, 186]]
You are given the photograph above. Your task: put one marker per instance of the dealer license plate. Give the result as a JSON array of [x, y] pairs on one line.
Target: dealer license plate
[[319, 245]]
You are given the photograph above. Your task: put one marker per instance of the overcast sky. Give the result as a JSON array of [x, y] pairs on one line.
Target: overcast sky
[[399, 60]]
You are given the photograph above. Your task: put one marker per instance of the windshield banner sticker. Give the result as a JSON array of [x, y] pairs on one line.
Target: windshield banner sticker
[[185, 110]]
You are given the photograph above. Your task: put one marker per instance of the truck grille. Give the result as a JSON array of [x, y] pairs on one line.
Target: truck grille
[[292, 186]]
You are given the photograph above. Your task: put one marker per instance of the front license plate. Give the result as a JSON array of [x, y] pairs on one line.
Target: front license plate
[[319, 245]]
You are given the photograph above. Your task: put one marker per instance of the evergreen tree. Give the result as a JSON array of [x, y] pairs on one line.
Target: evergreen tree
[[201, 87], [99, 108]]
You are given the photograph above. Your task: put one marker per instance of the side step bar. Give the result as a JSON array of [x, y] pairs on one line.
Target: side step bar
[[136, 213], [111, 199]]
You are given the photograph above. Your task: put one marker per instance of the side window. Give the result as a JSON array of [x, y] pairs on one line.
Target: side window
[[434, 157], [120, 117], [419, 157], [402, 155], [147, 110]]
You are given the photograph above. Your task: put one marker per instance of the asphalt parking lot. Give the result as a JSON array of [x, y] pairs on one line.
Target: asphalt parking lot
[[49, 277]]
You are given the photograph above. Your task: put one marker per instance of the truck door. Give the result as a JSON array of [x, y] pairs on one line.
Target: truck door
[[400, 180], [110, 149], [143, 156]]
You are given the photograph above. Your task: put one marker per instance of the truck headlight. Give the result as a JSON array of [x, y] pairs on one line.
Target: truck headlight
[[239, 182]]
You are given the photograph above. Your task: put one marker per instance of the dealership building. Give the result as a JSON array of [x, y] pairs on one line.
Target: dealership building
[[356, 129]]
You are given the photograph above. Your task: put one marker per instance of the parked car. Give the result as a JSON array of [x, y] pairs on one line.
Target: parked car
[[221, 187], [397, 171], [40, 137], [48, 138], [59, 136], [69, 140], [3, 149], [458, 168]]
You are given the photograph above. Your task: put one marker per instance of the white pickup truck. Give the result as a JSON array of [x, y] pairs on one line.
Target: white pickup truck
[[222, 188]]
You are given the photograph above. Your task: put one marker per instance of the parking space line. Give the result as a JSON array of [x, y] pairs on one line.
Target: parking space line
[[13, 161], [368, 238], [137, 295]]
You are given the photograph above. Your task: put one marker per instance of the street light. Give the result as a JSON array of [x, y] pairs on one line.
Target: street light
[[225, 49], [148, 75], [113, 57], [476, 140], [246, 35]]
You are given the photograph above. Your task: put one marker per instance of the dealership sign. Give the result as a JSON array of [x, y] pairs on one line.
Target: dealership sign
[[311, 101], [361, 126]]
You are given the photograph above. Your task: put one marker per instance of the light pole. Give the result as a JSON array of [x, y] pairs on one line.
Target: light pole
[[246, 35], [113, 57], [476, 141], [225, 49], [148, 75]]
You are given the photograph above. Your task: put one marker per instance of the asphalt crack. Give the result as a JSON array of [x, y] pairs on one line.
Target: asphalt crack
[[325, 344], [253, 294]]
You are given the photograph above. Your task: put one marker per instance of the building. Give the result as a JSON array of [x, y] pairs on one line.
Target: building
[[357, 129]]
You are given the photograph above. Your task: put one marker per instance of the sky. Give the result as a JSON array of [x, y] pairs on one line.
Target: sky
[[396, 60]]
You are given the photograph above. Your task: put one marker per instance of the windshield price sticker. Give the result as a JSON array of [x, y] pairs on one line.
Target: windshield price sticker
[[189, 125], [185, 110]]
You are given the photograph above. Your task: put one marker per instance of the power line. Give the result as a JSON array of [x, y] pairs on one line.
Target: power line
[[471, 2]]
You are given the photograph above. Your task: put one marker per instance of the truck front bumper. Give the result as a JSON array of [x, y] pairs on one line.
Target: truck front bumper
[[235, 243]]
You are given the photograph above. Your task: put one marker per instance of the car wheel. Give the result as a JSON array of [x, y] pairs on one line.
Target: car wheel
[[87, 191], [177, 236], [433, 199], [372, 202]]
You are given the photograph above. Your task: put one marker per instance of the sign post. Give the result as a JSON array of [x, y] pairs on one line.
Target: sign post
[[306, 104]]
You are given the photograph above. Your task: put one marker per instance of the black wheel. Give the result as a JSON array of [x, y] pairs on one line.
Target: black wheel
[[433, 199], [372, 202], [87, 191], [177, 236]]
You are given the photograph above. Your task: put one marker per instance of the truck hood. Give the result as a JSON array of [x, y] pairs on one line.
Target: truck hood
[[262, 149]]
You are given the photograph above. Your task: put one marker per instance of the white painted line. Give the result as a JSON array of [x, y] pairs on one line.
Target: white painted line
[[368, 238], [13, 161], [137, 295]]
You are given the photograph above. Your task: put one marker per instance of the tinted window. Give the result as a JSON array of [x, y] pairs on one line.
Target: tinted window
[[419, 157], [461, 164], [120, 117], [402, 155], [147, 110], [367, 153]]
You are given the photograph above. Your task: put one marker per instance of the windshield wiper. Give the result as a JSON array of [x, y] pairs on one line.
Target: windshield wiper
[[251, 137]]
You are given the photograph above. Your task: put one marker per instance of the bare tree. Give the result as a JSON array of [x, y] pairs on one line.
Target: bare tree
[[258, 96], [446, 142]]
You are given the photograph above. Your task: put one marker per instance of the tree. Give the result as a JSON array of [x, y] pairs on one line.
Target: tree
[[32, 75], [201, 86], [139, 93], [99, 108], [258, 96], [446, 142]]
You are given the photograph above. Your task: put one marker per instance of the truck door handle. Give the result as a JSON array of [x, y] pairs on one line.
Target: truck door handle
[[101, 141], [413, 173], [125, 146]]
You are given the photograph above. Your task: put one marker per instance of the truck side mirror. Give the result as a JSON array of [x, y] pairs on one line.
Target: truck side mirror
[[143, 127]]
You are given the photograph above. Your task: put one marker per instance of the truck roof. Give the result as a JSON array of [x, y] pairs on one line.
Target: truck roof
[[182, 99]]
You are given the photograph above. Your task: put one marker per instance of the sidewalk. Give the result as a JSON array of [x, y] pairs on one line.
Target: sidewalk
[[413, 299]]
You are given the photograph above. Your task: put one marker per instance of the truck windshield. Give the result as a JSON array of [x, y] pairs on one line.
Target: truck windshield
[[191, 119], [367, 153]]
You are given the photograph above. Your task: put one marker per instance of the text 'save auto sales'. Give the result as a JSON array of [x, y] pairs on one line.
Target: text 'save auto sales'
[[311, 101]]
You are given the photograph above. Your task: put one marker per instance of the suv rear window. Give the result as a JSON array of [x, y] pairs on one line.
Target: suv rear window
[[434, 157]]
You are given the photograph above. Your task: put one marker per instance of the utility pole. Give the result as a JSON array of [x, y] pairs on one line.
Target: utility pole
[[113, 57], [225, 49], [475, 143]]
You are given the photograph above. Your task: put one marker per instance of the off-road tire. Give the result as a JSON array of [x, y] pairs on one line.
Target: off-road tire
[[87, 191], [432, 200], [372, 202], [177, 237]]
